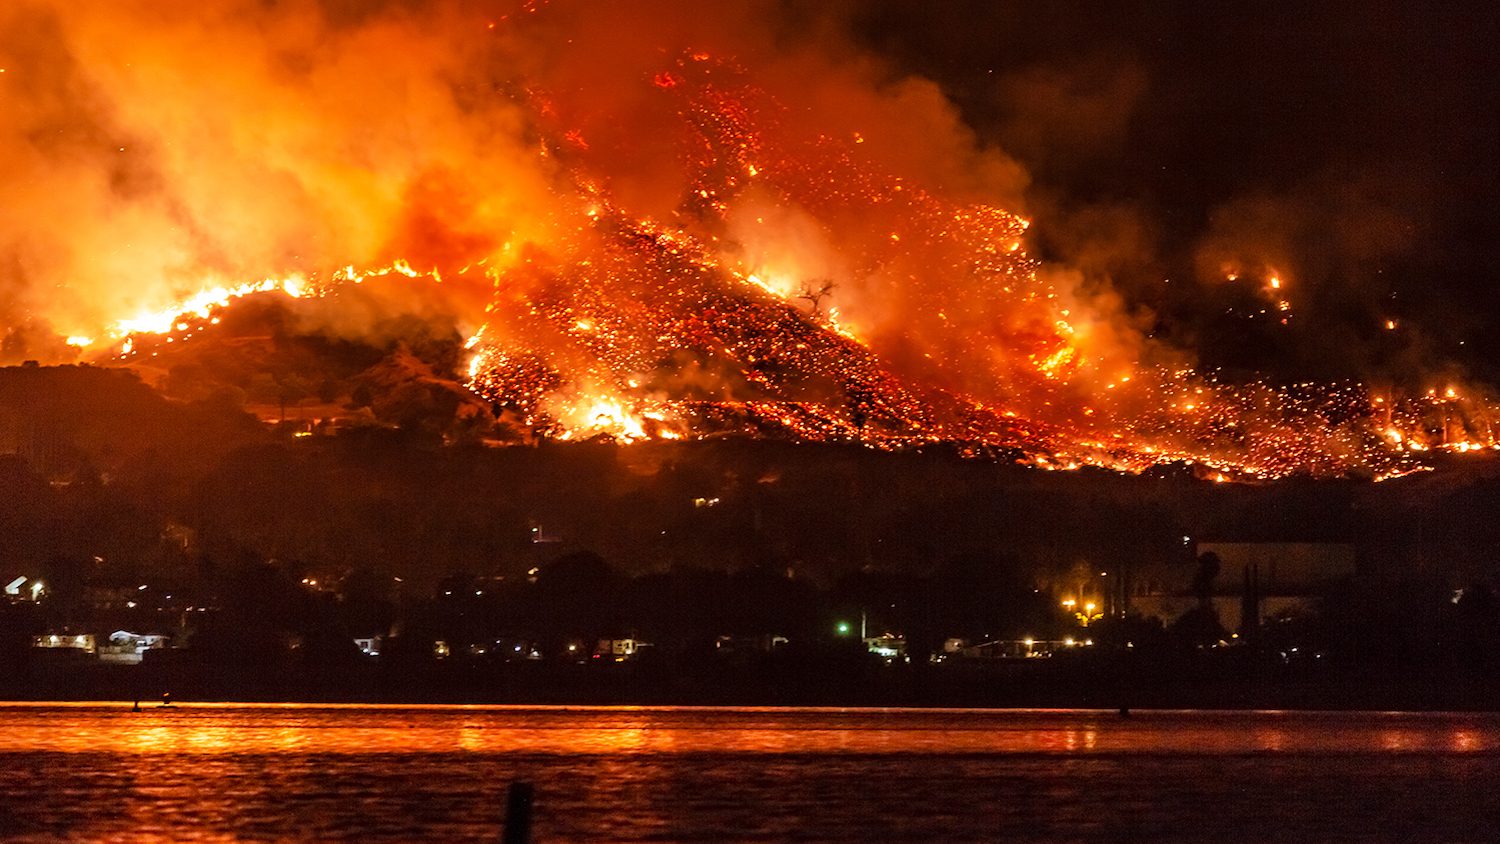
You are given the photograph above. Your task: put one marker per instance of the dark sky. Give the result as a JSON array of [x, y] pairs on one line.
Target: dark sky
[[1350, 148]]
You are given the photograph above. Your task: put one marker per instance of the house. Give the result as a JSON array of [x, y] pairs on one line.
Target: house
[[764, 643], [130, 648], [1007, 648], [24, 588], [619, 649], [889, 647], [75, 643]]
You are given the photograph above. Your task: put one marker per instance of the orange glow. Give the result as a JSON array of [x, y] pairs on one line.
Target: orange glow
[[638, 242]]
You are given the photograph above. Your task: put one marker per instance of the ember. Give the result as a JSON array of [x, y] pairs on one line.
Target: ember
[[792, 288]]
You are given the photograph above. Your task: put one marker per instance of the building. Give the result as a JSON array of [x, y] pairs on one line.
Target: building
[[79, 643], [1277, 578], [130, 648]]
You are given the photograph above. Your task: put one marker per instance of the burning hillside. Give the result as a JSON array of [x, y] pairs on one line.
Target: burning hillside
[[657, 243]]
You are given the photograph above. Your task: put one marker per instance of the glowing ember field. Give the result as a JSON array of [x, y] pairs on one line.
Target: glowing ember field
[[801, 290]]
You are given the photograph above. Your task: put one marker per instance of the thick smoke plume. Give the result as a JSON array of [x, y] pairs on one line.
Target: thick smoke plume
[[155, 148], [587, 189], [1187, 154]]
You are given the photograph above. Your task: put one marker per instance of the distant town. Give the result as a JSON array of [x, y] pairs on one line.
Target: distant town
[[152, 548]]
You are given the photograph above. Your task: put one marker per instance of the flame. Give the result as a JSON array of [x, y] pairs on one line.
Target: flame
[[211, 297], [802, 280], [595, 415], [201, 304]]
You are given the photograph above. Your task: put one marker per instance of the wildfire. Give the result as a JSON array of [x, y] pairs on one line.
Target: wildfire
[[603, 415], [200, 304], [179, 316], [799, 289], [740, 330]]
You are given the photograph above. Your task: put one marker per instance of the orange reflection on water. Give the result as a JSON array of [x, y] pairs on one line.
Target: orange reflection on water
[[220, 729], [1270, 739], [1466, 741], [1398, 740]]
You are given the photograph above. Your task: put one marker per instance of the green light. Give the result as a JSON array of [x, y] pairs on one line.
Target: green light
[[843, 628]]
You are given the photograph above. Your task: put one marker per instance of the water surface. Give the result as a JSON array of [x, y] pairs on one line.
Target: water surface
[[199, 772]]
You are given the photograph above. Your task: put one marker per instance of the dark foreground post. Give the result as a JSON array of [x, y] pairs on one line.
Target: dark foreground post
[[518, 814]]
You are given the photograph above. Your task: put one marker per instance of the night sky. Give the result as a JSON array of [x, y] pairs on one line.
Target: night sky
[[1351, 148]]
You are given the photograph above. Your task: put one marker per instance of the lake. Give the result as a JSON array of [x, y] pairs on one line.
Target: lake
[[234, 772]]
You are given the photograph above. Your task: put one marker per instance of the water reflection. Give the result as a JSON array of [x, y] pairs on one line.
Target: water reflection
[[1465, 741], [226, 773], [1270, 739], [211, 729]]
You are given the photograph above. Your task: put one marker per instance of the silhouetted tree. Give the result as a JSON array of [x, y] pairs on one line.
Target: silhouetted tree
[[579, 594], [1203, 580]]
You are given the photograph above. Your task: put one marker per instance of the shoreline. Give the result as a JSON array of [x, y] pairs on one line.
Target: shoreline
[[1026, 686]]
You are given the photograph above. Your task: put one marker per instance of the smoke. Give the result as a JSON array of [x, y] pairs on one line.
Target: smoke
[[158, 148], [1174, 147], [1321, 266], [162, 148]]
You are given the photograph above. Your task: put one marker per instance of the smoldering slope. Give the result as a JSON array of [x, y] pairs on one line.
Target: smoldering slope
[[163, 147], [155, 148]]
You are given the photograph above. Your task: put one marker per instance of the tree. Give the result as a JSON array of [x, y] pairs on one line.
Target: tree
[[1209, 566], [579, 594]]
